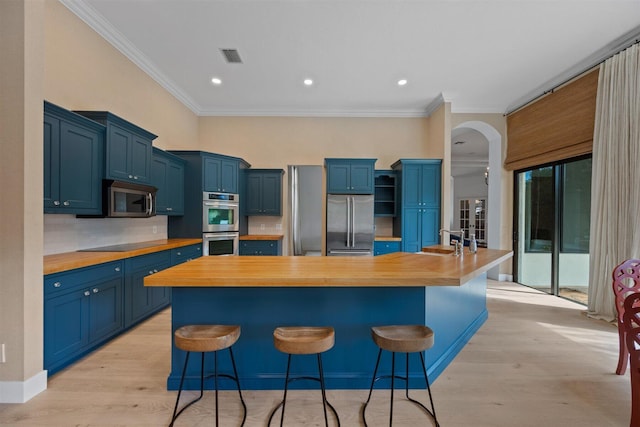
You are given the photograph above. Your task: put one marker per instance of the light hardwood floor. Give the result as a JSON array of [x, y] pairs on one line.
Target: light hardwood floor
[[538, 361]]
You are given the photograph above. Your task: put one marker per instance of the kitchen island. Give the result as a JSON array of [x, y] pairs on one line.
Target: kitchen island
[[445, 292]]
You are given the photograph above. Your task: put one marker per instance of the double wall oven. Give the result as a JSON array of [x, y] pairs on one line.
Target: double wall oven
[[220, 223]]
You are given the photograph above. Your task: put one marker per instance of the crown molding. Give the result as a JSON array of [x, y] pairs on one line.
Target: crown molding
[[100, 25], [317, 113]]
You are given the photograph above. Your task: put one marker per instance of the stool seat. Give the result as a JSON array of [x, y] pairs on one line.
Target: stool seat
[[403, 338], [206, 338], [303, 339]]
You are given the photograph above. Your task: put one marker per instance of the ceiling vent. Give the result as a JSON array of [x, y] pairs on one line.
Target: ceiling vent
[[232, 56]]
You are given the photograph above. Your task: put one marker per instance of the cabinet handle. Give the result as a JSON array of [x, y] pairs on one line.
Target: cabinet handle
[[56, 203], [96, 290], [179, 253], [87, 293], [150, 271], [66, 203], [130, 176], [57, 284], [169, 209], [198, 248], [155, 271], [117, 269], [135, 177]]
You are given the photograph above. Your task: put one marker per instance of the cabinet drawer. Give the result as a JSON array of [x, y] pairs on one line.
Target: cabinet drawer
[[62, 282], [138, 262], [185, 253], [260, 247], [383, 247]]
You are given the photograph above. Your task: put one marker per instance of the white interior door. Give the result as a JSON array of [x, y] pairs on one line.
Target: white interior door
[[472, 217]]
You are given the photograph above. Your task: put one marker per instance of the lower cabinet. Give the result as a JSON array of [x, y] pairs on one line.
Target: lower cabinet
[[260, 247], [386, 247], [82, 309], [140, 301]]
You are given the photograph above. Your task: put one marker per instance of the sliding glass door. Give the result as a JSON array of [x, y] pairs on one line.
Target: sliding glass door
[[553, 206]]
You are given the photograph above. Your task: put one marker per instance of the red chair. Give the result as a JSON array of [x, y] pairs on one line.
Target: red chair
[[631, 320], [626, 280]]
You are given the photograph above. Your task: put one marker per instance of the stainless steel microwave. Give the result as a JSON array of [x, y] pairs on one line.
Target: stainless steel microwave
[[123, 199]]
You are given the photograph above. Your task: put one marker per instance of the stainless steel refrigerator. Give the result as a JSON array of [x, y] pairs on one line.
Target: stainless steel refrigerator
[[350, 225], [305, 207]]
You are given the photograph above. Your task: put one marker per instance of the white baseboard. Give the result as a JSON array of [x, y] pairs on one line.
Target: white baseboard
[[505, 277], [23, 391]]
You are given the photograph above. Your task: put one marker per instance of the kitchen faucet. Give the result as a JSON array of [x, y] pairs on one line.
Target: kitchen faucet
[[458, 246]]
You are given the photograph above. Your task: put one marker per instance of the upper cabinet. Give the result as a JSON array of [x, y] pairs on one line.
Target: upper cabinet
[[167, 175], [385, 193], [73, 159], [263, 192], [350, 176], [220, 174], [128, 148]]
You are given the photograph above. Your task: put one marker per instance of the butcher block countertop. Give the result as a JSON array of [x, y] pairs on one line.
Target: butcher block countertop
[[395, 269], [388, 239], [262, 237], [57, 263]]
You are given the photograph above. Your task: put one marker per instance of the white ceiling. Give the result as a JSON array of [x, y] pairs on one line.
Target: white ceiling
[[481, 55]]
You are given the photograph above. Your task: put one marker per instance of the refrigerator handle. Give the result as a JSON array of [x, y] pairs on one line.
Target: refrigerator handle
[[353, 222], [348, 200]]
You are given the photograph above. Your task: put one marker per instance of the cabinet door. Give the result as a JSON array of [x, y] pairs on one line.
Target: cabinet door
[[139, 297], [118, 153], [361, 178], [255, 195], [229, 176], [51, 161], [65, 326], [411, 186], [411, 230], [140, 170], [159, 179], [430, 183], [338, 178], [175, 187], [105, 309], [211, 174], [429, 227], [80, 168], [272, 194]]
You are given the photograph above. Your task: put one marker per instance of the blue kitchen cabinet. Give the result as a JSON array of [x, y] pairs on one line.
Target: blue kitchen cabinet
[[82, 309], [260, 247], [73, 162], [140, 301], [263, 192], [419, 220], [220, 174], [350, 176], [167, 175], [382, 247], [128, 148], [185, 253], [384, 200]]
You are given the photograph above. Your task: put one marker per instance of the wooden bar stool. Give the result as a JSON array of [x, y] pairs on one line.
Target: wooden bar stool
[[203, 339], [401, 339], [304, 340]]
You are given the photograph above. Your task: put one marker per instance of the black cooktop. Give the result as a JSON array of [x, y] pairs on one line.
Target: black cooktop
[[121, 248]]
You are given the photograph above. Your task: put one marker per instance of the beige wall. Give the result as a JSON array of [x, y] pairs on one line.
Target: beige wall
[[440, 137], [84, 72], [21, 115]]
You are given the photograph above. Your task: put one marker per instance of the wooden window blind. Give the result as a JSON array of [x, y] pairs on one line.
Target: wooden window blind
[[556, 127]]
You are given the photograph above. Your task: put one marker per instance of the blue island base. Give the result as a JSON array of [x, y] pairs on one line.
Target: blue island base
[[454, 313]]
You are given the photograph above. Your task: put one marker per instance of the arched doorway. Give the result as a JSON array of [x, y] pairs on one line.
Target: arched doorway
[[492, 158]]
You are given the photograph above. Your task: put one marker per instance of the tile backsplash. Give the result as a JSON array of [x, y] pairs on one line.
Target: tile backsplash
[[66, 233]]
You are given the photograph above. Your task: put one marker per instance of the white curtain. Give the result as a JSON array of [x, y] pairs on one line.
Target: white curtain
[[615, 185]]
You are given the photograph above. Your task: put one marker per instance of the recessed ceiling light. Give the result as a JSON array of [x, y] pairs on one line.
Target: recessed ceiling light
[[216, 81], [402, 82], [308, 82]]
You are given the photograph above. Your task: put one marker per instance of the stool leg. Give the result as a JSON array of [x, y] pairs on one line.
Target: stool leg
[[215, 380], [235, 373], [184, 371], [286, 386], [433, 409], [324, 393], [393, 376], [373, 380]]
